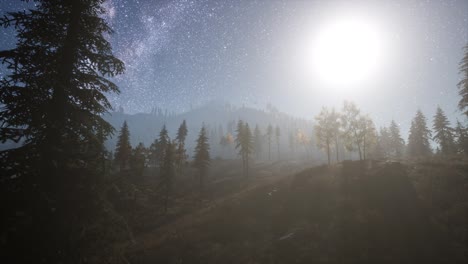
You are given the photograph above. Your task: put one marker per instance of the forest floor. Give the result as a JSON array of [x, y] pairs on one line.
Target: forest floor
[[352, 212]]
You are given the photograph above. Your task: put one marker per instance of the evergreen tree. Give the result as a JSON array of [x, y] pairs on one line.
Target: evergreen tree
[[138, 160], [443, 133], [269, 137], [52, 98], [247, 148], [384, 143], [258, 140], [277, 139], [159, 146], [396, 143], [202, 157], [461, 136], [463, 84], [181, 155], [153, 153], [123, 150], [419, 135], [244, 144], [167, 170]]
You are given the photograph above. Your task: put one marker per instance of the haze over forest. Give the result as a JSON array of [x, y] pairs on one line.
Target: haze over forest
[[234, 132]]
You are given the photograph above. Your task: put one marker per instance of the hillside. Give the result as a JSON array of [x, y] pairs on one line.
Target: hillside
[[351, 213], [218, 118]]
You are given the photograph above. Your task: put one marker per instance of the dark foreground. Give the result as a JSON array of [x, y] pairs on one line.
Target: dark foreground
[[350, 213]]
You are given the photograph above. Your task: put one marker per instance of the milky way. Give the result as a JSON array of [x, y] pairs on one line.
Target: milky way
[[181, 53]]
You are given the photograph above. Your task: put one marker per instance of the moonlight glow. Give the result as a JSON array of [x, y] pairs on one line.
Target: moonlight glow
[[347, 51]]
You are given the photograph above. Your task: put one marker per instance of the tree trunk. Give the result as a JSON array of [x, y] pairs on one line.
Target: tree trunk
[[278, 147], [336, 147], [269, 149]]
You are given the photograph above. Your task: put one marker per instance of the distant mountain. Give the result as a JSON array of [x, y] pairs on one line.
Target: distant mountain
[[219, 119]]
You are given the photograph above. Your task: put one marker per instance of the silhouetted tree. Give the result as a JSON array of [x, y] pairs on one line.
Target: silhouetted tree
[[258, 142], [181, 155], [463, 84], [269, 137], [159, 146], [443, 133], [385, 142], [277, 139], [461, 138], [244, 144], [52, 98], [396, 143], [167, 171], [419, 135], [123, 150], [202, 157], [138, 160]]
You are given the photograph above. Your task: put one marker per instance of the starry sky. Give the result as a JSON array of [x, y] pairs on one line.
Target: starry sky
[[183, 53]]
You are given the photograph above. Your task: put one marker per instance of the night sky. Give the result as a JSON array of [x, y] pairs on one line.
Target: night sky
[[181, 53]]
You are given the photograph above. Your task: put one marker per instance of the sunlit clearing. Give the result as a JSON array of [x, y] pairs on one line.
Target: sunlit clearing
[[346, 51]]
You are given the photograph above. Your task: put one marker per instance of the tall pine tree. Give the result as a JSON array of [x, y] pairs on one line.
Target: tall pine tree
[[396, 142], [419, 135], [53, 95], [258, 142], [167, 171], [123, 150], [463, 84], [277, 140], [461, 138], [245, 145], [202, 157], [269, 137], [443, 133], [181, 155], [138, 160]]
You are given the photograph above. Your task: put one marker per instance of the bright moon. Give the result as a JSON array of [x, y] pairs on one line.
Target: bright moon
[[347, 51]]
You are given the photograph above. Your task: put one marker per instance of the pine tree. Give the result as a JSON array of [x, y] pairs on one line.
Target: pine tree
[[138, 160], [52, 98], [277, 139], [396, 143], [202, 157], [247, 147], [244, 144], [123, 150], [419, 135], [443, 133], [269, 136], [461, 136], [181, 155], [463, 84], [258, 140], [167, 170], [158, 147], [384, 142]]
